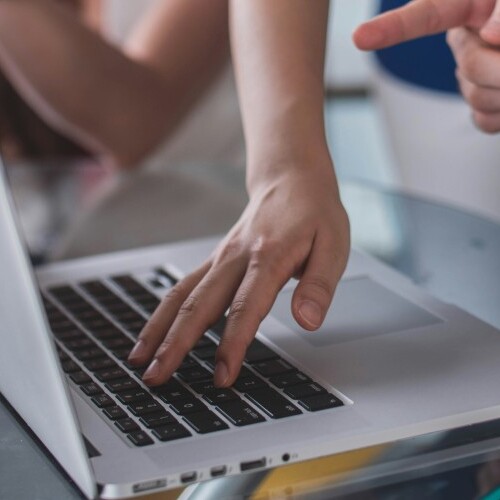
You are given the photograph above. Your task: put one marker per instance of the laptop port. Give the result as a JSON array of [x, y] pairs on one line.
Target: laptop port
[[252, 464], [149, 485], [218, 471], [188, 477]]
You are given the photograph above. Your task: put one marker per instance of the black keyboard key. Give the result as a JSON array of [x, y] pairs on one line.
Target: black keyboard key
[[88, 315], [140, 438], [194, 374], [63, 292], [118, 308], [204, 341], [80, 378], [69, 366], [97, 324], [320, 402], [78, 344], [240, 413], [130, 317], [70, 334], [144, 408], [128, 397], [114, 413], [273, 403], [139, 372], [257, 352], [92, 353], [205, 422], [272, 367], [127, 282], [165, 277], [118, 343], [220, 396], [172, 391], [110, 374], [186, 406], [289, 379], [304, 390], [203, 387], [188, 362], [127, 425], [171, 432], [158, 419], [244, 384], [62, 355], [118, 386], [99, 364], [97, 290], [218, 328], [91, 389], [102, 401], [121, 353], [207, 352], [107, 332], [149, 305], [135, 328]]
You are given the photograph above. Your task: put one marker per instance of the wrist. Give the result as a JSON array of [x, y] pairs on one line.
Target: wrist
[[309, 159]]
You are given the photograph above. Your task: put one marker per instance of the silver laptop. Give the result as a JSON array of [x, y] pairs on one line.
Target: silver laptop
[[390, 362]]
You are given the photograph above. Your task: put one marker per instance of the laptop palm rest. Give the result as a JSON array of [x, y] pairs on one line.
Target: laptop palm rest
[[361, 308]]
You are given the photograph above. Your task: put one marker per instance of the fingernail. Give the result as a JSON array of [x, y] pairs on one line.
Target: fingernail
[[311, 313], [138, 351], [153, 370], [221, 374]]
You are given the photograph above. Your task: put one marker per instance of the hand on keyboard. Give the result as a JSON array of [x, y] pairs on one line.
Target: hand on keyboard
[[294, 225]]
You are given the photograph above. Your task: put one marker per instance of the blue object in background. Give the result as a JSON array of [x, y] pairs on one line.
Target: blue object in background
[[427, 62]]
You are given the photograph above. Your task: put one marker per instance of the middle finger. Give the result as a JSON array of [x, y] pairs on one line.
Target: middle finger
[[201, 309]]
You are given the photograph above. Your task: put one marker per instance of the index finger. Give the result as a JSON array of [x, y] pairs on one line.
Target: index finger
[[414, 20]]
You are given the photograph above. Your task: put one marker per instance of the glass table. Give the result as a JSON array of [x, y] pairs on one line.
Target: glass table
[[454, 255]]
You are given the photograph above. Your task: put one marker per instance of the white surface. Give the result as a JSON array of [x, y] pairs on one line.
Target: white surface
[[438, 151], [346, 66]]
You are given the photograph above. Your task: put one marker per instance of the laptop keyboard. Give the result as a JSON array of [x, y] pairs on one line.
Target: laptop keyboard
[[95, 324]]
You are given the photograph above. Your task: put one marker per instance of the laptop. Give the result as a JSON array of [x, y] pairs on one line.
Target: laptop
[[390, 362]]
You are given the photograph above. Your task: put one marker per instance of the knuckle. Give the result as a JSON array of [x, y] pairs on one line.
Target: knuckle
[[268, 255], [239, 308], [471, 67], [175, 294], [190, 306], [229, 251], [319, 285], [478, 99]]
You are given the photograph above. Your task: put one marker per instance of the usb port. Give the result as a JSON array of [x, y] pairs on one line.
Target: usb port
[[149, 485], [188, 477], [252, 464], [218, 471]]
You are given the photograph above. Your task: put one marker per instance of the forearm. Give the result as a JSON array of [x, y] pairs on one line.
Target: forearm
[[78, 83], [278, 49]]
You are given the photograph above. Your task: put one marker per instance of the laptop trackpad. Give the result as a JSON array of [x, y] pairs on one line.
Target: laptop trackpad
[[361, 308]]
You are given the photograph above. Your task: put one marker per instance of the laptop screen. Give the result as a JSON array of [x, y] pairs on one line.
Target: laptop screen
[[30, 376]]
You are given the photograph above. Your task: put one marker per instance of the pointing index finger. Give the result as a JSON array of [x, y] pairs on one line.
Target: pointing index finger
[[416, 19]]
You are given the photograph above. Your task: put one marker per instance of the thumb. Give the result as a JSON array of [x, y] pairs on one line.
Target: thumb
[[314, 293], [490, 32]]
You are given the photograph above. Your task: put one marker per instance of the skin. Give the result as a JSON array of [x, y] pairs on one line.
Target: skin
[[155, 90], [294, 224], [473, 36]]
